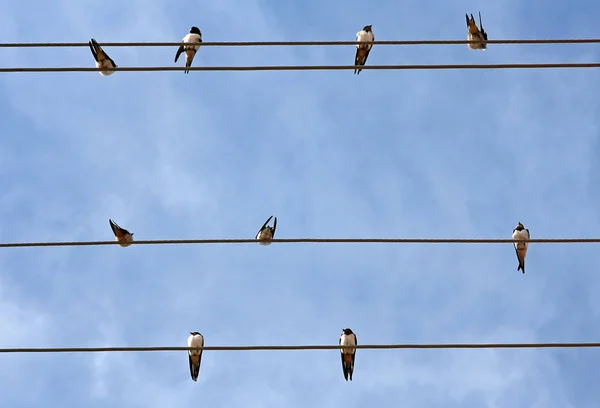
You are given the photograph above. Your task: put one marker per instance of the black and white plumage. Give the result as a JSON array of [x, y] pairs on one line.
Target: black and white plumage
[[363, 50], [122, 236], [194, 37], [265, 233], [195, 356], [103, 61], [520, 232], [348, 338], [476, 34]]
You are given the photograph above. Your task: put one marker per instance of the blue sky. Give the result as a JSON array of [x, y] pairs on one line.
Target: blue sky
[[213, 154]]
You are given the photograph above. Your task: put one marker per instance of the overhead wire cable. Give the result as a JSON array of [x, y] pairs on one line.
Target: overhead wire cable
[[299, 43], [303, 347], [311, 240]]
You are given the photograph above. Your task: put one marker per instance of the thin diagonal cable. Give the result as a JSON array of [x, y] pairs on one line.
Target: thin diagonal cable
[[313, 241], [314, 67], [299, 43], [302, 347]]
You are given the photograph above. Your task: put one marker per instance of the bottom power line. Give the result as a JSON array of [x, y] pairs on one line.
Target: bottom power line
[[307, 347]]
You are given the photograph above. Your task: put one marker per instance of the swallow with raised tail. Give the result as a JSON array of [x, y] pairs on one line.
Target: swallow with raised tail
[[194, 37], [521, 233], [348, 338], [265, 233], [103, 61], [477, 34], [195, 356], [122, 236], [363, 50]]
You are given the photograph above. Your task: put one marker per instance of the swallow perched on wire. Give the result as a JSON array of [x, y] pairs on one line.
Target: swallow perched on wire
[[122, 236], [476, 34], [265, 233], [195, 356], [195, 38], [348, 338], [363, 50], [103, 61], [520, 232]]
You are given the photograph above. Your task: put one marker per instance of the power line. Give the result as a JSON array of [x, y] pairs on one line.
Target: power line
[[299, 43], [313, 241], [303, 347], [314, 67]]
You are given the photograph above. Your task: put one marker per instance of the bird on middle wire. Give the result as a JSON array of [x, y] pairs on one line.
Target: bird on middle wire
[[265, 233], [194, 37], [122, 236], [363, 50], [520, 232]]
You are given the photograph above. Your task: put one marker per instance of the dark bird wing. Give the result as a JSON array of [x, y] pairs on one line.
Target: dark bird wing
[[485, 36], [115, 228], [179, 52], [521, 266], [264, 225], [344, 367], [354, 355], [93, 44], [194, 369]]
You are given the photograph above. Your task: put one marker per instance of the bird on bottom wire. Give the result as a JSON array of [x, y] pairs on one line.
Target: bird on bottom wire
[[520, 232], [195, 356], [348, 338]]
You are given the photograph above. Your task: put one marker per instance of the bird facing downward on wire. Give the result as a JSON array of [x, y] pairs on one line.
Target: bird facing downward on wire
[[363, 50], [194, 37], [122, 236], [195, 356], [103, 61], [265, 233], [476, 34]]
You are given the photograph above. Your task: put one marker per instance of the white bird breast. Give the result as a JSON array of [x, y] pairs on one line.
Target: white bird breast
[[195, 341], [521, 235], [364, 36], [106, 64], [264, 235], [192, 38], [346, 340], [476, 37]]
